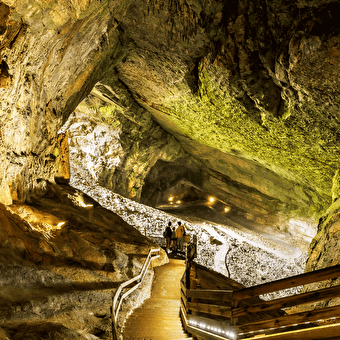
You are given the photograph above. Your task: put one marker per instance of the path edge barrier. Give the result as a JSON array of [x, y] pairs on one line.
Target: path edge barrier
[[119, 295], [200, 308]]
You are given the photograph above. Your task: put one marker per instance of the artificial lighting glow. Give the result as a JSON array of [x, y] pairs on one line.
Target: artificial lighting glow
[[60, 224], [226, 209], [178, 202], [229, 334], [170, 199], [211, 199], [78, 200]]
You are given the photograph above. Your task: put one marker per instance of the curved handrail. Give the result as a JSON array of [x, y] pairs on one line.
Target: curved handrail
[[116, 304]]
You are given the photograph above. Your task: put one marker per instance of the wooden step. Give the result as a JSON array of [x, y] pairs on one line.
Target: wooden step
[[159, 316]]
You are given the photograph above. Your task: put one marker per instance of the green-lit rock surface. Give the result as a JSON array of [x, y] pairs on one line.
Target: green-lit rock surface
[[237, 99], [248, 90]]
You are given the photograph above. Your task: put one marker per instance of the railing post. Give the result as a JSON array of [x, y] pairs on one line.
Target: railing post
[[187, 269], [113, 318], [234, 305], [117, 298], [190, 254]]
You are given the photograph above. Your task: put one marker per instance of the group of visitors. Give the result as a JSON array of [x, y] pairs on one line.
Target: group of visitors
[[174, 237]]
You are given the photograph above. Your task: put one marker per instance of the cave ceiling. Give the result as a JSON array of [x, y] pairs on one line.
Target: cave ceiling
[[236, 99]]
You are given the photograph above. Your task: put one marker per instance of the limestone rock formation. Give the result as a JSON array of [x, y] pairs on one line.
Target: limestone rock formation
[[325, 245], [239, 85], [61, 260], [238, 99]]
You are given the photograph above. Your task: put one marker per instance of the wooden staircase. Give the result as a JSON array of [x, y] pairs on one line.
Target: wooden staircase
[[304, 316], [158, 318]]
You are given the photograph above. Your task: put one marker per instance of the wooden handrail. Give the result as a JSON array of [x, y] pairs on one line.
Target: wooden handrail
[[290, 301], [206, 308], [225, 303], [293, 319], [294, 281], [219, 295]]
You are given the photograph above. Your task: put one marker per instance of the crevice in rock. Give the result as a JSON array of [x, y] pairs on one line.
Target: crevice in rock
[[326, 21], [4, 74], [4, 14]]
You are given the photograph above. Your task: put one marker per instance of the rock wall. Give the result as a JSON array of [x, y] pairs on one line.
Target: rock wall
[[51, 55], [325, 246], [239, 85], [117, 141], [246, 94], [62, 152], [61, 260], [236, 78]]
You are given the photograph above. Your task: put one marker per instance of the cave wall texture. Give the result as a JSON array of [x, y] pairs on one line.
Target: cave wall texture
[[238, 98]]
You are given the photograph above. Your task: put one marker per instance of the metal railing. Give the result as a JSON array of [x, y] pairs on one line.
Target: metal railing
[[242, 313], [119, 297]]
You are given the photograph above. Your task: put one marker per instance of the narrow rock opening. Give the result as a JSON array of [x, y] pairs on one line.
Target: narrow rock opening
[[4, 74], [4, 14]]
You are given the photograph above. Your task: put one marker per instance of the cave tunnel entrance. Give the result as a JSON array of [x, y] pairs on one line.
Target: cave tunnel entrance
[[177, 188]]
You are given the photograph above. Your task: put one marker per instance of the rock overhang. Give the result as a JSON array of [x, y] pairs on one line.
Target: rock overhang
[[235, 100], [239, 87]]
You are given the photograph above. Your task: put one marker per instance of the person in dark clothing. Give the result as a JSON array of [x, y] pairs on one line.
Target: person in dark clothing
[[167, 235], [174, 239]]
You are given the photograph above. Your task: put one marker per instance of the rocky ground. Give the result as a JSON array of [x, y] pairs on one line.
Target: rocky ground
[[61, 260], [248, 255]]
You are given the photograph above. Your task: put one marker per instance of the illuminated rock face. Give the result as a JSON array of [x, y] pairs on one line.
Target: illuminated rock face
[[50, 57], [61, 259], [244, 96], [239, 85]]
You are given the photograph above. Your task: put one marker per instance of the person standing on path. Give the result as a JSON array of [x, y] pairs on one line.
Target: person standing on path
[[179, 235], [174, 240], [167, 234]]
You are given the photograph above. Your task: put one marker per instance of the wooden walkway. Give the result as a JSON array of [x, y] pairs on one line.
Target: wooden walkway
[[304, 316], [158, 318]]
